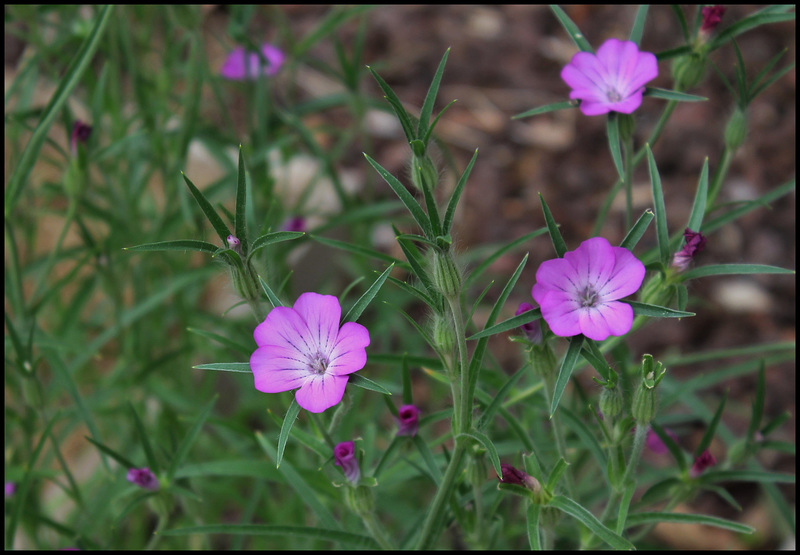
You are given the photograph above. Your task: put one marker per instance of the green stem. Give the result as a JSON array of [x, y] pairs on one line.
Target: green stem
[[627, 156], [377, 531], [557, 430], [719, 177], [464, 406], [430, 528], [636, 452]]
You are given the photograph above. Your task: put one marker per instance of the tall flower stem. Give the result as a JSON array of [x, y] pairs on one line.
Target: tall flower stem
[[719, 176], [636, 452], [464, 406], [558, 434], [627, 161], [377, 531], [430, 530]]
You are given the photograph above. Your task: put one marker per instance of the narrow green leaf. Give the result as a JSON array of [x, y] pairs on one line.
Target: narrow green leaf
[[272, 238], [695, 222], [361, 304], [240, 220], [223, 340], [427, 456], [655, 311], [288, 422], [144, 437], [484, 440], [179, 245], [510, 324], [554, 107], [734, 269], [714, 476], [572, 29], [762, 17], [426, 139], [430, 98], [708, 436], [761, 202], [552, 228], [662, 235], [665, 94], [189, 439], [72, 76], [532, 521], [226, 366], [638, 25], [565, 372], [758, 404], [273, 298], [358, 249], [638, 229], [364, 383], [683, 518], [555, 474], [487, 261], [125, 463], [624, 505], [674, 449], [406, 198], [678, 11], [586, 518], [612, 130], [397, 106], [499, 399], [219, 225], [451, 206], [301, 532]]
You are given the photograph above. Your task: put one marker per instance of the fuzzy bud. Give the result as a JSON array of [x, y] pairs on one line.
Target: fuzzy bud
[[611, 401], [423, 173], [688, 71], [443, 335], [736, 130], [446, 276]]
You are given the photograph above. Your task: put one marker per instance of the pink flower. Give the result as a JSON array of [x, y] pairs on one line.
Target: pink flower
[[705, 460], [655, 444], [303, 347], [408, 420], [143, 477], [611, 81], [344, 455], [695, 242], [241, 65], [580, 293], [712, 15], [532, 330]]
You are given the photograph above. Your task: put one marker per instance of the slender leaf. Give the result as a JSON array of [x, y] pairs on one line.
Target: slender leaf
[[219, 226], [288, 422], [397, 106], [489, 260], [361, 304], [638, 25], [430, 98], [226, 366], [572, 29], [406, 198], [144, 437], [565, 372], [240, 220], [451, 206], [427, 456], [612, 130], [301, 532], [552, 228], [586, 518], [272, 238], [701, 196], [683, 518], [510, 324], [734, 269], [499, 399], [364, 383], [638, 229], [484, 440], [189, 439], [124, 462], [532, 521], [554, 107], [708, 436], [273, 298], [665, 94], [180, 245], [662, 235], [655, 311]]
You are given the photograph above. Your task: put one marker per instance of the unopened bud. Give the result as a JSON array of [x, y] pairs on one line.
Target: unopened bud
[[611, 401], [688, 71], [446, 276], [736, 130]]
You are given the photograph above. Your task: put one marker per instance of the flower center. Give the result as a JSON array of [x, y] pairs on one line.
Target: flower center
[[613, 95], [318, 363], [588, 298]]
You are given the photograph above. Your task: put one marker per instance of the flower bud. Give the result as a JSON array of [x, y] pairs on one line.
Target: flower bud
[[443, 335], [423, 173], [645, 403], [361, 500], [688, 71], [701, 463], [513, 475], [543, 359], [611, 401], [532, 330], [143, 477], [695, 242], [344, 455], [446, 276], [407, 420], [736, 130]]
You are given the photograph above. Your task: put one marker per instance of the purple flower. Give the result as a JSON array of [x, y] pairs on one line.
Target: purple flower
[[513, 475], [241, 65], [712, 15], [11, 488], [344, 455], [80, 134], [532, 330], [705, 460], [580, 293], [695, 242], [655, 444], [296, 223], [143, 477], [303, 347], [408, 420], [611, 81]]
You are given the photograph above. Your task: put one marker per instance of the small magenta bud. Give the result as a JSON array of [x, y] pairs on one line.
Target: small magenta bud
[[513, 475], [234, 243], [712, 15], [80, 134], [407, 420], [695, 242], [344, 455], [701, 463], [143, 477], [532, 330]]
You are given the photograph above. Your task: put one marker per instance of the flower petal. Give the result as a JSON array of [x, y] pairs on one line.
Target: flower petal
[[277, 369], [626, 277], [593, 261], [284, 327], [612, 318], [321, 392], [234, 66], [562, 313], [557, 275], [321, 314], [349, 353]]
